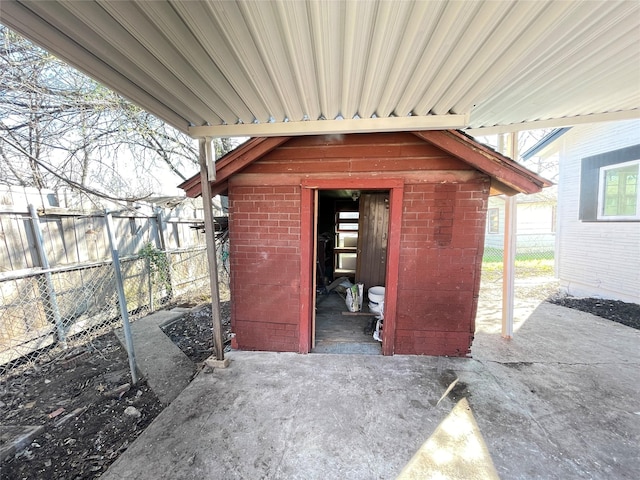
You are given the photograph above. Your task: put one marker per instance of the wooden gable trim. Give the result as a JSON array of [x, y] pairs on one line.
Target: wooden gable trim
[[499, 167], [232, 163], [220, 188], [508, 177], [499, 188]]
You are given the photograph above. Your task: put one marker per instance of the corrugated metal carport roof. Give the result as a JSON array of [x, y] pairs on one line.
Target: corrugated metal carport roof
[[278, 67]]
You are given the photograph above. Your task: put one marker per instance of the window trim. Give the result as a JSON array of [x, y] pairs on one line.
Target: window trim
[[590, 177], [600, 216]]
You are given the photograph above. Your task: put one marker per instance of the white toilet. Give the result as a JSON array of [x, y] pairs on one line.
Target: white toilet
[[376, 300]]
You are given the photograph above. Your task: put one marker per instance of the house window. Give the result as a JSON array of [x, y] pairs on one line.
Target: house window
[[609, 186], [493, 223], [618, 192]]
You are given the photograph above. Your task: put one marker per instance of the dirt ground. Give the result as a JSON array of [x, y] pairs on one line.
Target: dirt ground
[[192, 334], [86, 404], [91, 414], [85, 401]]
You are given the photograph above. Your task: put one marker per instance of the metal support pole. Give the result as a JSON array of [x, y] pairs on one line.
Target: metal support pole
[[52, 298], [122, 301], [508, 278], [509, 252], [207, 174]]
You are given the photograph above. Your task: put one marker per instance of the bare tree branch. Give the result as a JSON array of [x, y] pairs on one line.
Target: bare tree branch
[[59, 126], [70, 182]]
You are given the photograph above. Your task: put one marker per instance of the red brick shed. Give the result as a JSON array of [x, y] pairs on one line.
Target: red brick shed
[[433, 187]]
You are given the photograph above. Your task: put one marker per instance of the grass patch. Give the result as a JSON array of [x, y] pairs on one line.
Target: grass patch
[[524, 267], [494, 255]]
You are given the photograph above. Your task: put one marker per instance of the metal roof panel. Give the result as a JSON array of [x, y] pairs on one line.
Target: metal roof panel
[[501, 65]]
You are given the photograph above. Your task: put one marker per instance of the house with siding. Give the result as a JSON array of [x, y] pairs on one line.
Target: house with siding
[[535, 222], [598, 231]]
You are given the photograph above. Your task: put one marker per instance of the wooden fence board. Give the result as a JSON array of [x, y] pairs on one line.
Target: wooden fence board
[[101, 240], [70, 239], [52, 240], [5, 259], [73, 239], [17, 242]]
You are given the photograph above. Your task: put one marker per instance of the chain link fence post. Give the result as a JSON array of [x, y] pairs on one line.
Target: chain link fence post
[[121, 297], [51, 300]]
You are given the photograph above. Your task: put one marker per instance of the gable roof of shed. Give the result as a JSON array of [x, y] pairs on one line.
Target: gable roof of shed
[[507, 176]]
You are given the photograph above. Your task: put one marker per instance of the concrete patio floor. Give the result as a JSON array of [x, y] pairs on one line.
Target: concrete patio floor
[[559, 400]]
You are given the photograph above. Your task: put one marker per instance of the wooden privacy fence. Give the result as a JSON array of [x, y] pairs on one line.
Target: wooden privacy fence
[[58, 284]]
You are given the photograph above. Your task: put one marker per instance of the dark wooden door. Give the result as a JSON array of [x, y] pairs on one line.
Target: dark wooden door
[[373, 231]]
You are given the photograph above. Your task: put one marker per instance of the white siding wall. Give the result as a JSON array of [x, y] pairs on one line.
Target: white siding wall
[[534, 225], [495, 240], [600, 259]]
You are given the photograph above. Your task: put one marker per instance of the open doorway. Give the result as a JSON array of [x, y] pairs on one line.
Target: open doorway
[[351, 248]]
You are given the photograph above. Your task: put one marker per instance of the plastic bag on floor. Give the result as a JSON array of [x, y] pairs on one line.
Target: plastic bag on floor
[[354, 297], [340, 285], [377, 335]]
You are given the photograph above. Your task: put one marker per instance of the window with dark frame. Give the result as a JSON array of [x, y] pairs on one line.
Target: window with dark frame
[[609, 186], [618, 191]]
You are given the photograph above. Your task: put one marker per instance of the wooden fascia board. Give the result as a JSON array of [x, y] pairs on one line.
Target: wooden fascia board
[[499, 188], [188, 183], [192, 185], [220, 188], [232, 163], [499, 167]]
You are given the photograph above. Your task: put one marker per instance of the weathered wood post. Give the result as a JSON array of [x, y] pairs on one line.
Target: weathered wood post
[[207, 174]]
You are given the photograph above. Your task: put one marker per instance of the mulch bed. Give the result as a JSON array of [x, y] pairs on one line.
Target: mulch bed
[[621, 312], [193, 332]]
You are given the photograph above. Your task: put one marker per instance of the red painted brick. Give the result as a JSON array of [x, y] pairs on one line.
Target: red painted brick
[[446, 187], [447, 344], [427, 311], [237, 191], [286, 189], [469, 202], [437, 280]]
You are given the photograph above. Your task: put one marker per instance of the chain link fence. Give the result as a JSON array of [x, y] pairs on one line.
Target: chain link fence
[[44, 313], [534, 274], [65, 269]]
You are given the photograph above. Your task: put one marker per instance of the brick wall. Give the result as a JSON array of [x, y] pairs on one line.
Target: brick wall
[[439, 274], [441, 250], [265, 266]]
